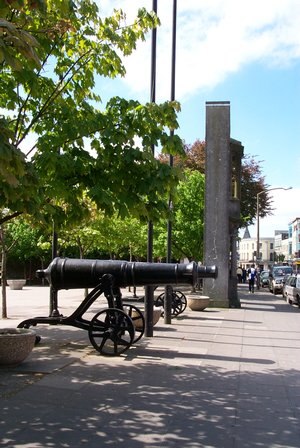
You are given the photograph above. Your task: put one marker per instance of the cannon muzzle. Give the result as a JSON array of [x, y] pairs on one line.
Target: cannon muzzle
[[69, 273]]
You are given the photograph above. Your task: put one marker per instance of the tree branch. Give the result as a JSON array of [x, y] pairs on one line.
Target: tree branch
[[180, 250], [9, 217], [60, 87], [22, 110]]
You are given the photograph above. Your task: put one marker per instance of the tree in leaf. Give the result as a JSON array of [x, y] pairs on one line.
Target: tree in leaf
[[111, 236], [252, 180], [188, 225], [187, 221], [58, 142]]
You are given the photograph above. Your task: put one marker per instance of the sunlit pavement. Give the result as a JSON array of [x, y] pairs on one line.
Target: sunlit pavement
[[216, 378]]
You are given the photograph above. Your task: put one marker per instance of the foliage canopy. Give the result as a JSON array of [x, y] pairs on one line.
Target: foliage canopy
[[58, 141], [252, 180]]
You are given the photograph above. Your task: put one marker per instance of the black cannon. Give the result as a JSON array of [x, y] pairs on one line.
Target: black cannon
[[114, 329]]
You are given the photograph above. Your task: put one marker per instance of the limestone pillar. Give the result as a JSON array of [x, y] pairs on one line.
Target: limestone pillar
[[217, 196], [222, 205]]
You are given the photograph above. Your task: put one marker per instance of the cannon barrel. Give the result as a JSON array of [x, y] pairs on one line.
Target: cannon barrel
[[70, 273]]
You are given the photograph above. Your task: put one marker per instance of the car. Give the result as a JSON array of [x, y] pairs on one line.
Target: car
[[264, 279], [276, 276], [284, 282], [291, 290]]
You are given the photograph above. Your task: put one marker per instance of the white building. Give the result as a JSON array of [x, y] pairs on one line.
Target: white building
[[294, 243], [284, 247], [247, 251]]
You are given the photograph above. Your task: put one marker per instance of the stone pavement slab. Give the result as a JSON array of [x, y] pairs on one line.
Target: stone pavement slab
[[217, 378]]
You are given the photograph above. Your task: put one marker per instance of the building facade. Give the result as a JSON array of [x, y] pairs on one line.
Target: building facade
[[294, 243], [284, 247], [247, 252]]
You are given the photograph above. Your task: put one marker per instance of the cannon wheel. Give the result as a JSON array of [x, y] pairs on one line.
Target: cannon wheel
[[111, 332], [180, 296], [178, 305], [137, 318]]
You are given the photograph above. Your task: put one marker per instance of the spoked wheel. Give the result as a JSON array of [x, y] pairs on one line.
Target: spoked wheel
[[137, 318], [160, 301], [178, 305], [111, 332], [181, 297]]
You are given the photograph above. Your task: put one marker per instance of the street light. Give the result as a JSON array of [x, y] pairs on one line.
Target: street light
[[257, 214]]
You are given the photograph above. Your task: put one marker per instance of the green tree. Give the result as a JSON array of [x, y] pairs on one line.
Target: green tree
[[19, 243], [131, 238], [252, 180], [4, 251], [58, 142], [24, 240], [109, 236], [188, 224]]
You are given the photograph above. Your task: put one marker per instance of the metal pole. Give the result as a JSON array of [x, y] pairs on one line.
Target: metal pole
[[168, 288], [149, 290], [53, 308], [173, 73], [257, 222]]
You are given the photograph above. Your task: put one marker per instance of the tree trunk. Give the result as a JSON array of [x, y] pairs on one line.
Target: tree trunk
[[3, 274]]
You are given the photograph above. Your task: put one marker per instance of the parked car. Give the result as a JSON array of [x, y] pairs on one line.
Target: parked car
[[291, 290], [264, 279], [276, 276], [284, 282]]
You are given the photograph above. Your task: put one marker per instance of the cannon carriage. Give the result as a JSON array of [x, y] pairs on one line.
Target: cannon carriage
[[178, 301], [111, 330]]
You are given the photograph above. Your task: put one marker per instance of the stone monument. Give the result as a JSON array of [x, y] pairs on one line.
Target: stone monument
[[222, 205]]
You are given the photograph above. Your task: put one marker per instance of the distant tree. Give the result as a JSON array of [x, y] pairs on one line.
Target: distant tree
[[24, 240], [195, 156], [100, 234], [187, 239], [19, 243], [252, 181], [4, 250], [192, 158], [187, 220]]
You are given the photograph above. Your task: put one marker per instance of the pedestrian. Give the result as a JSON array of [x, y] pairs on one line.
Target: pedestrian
[[239, 273], [244, 276], [251, 278]]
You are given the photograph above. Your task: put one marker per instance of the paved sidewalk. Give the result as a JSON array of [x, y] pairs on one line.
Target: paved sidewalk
[[218, 378]]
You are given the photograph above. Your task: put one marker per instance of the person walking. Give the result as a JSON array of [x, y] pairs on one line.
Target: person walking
[[251, 278], [244, 276], [239, 273]]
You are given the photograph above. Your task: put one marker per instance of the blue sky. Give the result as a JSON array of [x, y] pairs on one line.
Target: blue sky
[[244, 52]]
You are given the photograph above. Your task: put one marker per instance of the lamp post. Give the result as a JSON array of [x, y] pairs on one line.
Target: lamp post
[[257, 214], [149, 290], [168, 288]]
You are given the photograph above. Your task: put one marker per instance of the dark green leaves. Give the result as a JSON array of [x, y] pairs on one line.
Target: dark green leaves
[[52, 55]]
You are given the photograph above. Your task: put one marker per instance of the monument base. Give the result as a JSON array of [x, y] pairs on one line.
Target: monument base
[[222, 303]]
